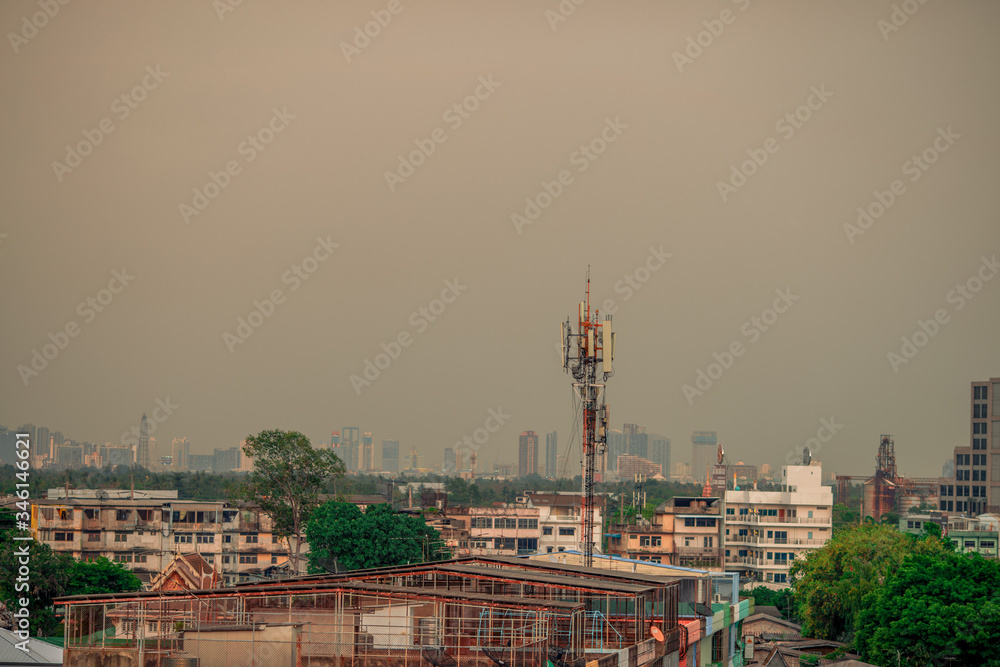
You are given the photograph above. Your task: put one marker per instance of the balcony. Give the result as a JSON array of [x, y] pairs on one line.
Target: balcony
[[697, 551], [747, 518], [747, 539], [757, 562]]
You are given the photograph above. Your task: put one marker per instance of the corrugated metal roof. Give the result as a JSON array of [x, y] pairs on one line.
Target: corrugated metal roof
[[38, 653]]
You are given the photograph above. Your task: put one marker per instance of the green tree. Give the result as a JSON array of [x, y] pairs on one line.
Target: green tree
[[830, 583], [765, 597], [288, 476], [376, 537], [934, 609], [48, 575], [100, 576]]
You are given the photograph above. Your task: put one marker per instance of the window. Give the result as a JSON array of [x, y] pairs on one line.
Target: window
[[481, 522], [206, 539], [529, 524], [810, 514], [730, 511], [93, 537], [225, 559], [567, 532], [123, 558], [979, 443], [274, 560], [250, 538], [780, 577], [970, 544], [478, 544], [657, 541], [644, 541], [182, 538], [718, 646], [986, 544], [979, 411], [689, 522], [64, 537], [506, 523], [979, 428], [121, 537], [548, 550], [122, 515], [547, 530], [708, 541], [252, 559], [744, 511], [810, 535], [140, 558], [275, 539], [504, 543], [742, 553], [227, 539]]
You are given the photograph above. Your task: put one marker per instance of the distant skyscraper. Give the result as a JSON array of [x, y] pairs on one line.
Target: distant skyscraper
[[154, 455], [449, 460], [55, 442], [180, 450], [974, 487], [703, 453], [527, 458], [551, 454], [367, 452], [616, 447], [413, 459], [390, 455], [32, 438], [350, 442], [42, 438], [659, 452]]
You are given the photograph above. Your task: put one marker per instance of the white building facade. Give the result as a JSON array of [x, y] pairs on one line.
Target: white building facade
[[766, 531]]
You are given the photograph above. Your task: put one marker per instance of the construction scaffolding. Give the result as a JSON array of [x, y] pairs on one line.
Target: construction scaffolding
[[481, 612]]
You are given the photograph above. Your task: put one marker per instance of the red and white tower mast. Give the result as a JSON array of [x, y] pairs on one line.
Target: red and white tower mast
[[588, 354]]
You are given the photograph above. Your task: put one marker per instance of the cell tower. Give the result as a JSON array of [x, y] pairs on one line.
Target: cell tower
[[594, 346]]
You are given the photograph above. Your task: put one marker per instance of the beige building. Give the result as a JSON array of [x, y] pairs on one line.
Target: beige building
[[765, 531], [144, 534], [685, 531]]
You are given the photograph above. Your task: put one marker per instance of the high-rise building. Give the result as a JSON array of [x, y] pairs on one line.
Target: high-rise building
[[449, 460], [57, 440], [617, 445], [659, 452], [527, 458], [154, 455], [551, 454], [413, 459], [390, 455], [704, 445], [226, 460], [367, 452], [180, 450], [32, 438], [8, 446], [41, 445], [638, 444], [975, 485], [350, 441]]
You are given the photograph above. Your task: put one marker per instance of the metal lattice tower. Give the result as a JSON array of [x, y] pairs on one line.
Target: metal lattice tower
[[142, 455], [594, 345]]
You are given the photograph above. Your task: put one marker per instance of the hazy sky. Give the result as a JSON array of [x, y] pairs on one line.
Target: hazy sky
[[116, 113]]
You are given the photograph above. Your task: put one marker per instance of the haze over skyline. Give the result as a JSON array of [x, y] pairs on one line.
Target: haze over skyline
[[444, 185]]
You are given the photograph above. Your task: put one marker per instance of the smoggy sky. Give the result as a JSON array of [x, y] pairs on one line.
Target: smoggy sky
[[644, 128]]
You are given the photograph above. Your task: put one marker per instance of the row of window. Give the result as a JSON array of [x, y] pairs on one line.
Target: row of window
[[503, 523], [700, 522], [973, 475], [979, 411]]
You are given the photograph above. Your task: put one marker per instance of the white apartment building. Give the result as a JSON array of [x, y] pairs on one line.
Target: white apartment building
[[560, 524], [765, 531]]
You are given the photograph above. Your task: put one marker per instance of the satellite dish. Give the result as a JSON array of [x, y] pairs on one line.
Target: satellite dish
[[721, 453], [657, 633], [703, 609], [102, 494], [553, 559], [806, 456]]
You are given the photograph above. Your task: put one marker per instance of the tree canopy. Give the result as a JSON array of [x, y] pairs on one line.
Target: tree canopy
[[377, 537], [933, 607], [830, 583], [287, 479]]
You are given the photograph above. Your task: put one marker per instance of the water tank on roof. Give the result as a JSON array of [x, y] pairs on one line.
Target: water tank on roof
[[181, 660]]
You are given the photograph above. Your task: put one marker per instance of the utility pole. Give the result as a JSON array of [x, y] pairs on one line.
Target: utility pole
[[594, 344]]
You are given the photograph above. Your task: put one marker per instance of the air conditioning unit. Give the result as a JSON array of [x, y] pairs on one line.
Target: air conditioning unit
[[717, 598]]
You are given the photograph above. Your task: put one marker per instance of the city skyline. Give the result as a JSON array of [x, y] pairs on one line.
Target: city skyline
[[788, 211]]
